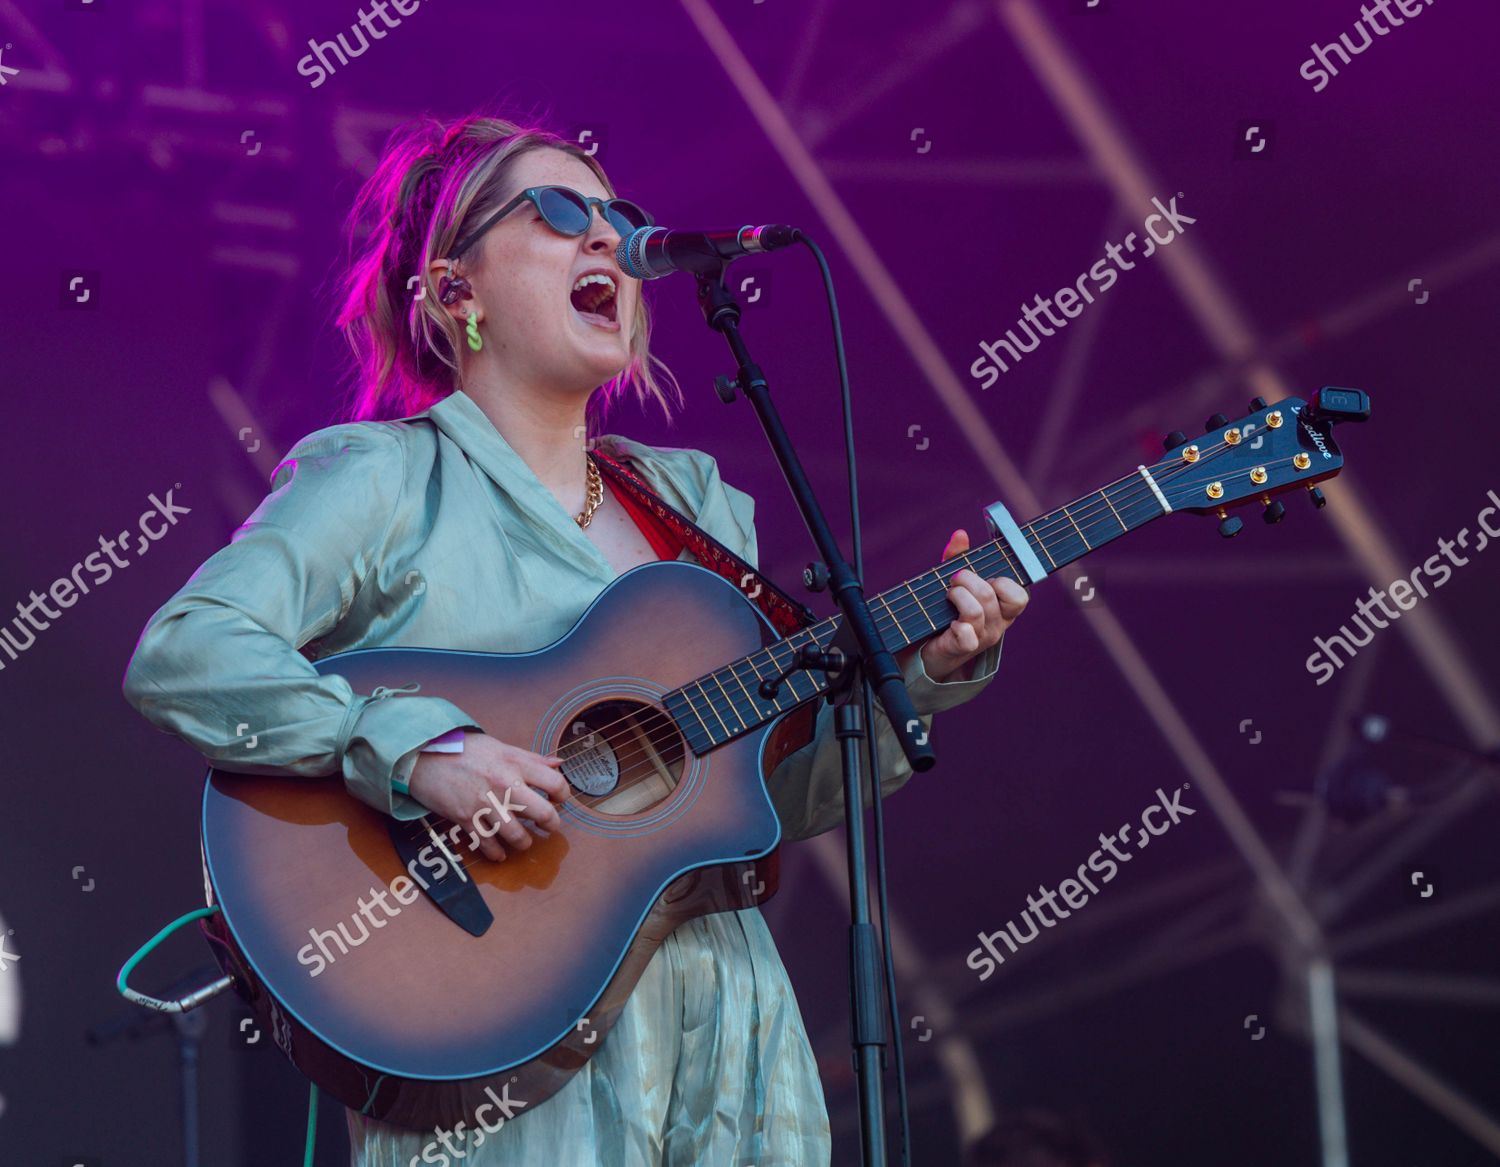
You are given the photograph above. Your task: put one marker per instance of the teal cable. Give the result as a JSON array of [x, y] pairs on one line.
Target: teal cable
[[129, 966], [312, 1123], [126, 991]]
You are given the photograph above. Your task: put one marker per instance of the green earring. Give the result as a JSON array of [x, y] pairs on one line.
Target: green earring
[[476, 342]]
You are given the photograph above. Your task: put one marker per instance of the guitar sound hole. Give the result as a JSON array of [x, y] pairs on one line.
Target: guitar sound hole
[[621, 756]]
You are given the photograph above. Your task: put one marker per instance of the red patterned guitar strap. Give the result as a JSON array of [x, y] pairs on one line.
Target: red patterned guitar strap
[[785, 614]]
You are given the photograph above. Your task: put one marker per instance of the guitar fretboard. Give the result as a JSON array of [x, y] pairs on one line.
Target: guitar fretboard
[[727, 703]]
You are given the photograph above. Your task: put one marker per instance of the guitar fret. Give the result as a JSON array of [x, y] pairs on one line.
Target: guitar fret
[[754, 702], [938, 577], [1072, 531], [922, 611], [1037, 539], [1104, 494], [1009, 564], [773, 671], [1094, 526], [712, 715], [779, 665], [791, 682], [1076, 527], [701, 724], [815, 684], [890, 621], [714, 711], [728, 696]]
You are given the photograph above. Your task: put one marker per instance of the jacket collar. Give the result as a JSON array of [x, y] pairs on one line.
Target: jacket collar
[[461, 419]]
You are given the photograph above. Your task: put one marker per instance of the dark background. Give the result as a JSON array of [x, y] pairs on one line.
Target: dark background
[[208, 265]]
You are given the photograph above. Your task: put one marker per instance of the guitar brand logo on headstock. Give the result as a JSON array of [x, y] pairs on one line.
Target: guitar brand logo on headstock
[[1296, 408], [1316, 437]]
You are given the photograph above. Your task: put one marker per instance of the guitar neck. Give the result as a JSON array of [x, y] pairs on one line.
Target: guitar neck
[[727, 703]]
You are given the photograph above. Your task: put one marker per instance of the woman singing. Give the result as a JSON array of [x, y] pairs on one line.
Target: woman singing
[[460, 509]]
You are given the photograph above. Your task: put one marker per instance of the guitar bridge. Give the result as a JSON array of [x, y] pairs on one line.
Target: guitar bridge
[[454, 893]]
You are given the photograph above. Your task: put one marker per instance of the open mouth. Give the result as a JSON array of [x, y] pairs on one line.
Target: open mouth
[[595, 297]]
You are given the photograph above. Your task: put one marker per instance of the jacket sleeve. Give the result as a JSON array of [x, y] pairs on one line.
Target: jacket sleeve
[[807, 786], [218, 664]]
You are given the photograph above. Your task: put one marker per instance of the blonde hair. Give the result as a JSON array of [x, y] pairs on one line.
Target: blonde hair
[[434, 182]]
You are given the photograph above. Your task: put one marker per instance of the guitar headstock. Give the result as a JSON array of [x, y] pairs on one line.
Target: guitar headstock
[[1275, 449]]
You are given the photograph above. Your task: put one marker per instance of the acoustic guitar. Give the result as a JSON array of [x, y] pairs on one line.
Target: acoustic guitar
[[372, 949]]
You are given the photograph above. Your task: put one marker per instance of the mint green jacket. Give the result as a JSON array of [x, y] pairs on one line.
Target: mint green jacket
[[431, 531]]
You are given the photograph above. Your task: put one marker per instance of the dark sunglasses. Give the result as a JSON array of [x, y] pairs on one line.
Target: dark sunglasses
[[567, 212]]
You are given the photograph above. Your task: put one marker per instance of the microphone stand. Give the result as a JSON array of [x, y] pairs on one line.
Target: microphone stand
[[864, 656], [190, 1027]]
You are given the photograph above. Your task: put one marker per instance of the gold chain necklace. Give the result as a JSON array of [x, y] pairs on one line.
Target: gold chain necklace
[[595, 497]]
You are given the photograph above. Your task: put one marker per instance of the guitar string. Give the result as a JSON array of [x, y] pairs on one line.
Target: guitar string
[[472, 845], [921, 595], [1141, 491], [898, 611], [649, 718]]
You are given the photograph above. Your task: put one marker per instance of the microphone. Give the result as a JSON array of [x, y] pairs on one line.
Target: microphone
[[648, 253]]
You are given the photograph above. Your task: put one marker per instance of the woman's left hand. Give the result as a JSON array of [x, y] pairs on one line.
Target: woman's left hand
[[986, 608]]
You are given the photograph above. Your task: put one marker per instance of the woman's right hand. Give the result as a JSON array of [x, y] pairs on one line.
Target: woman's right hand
[[489, 789]]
